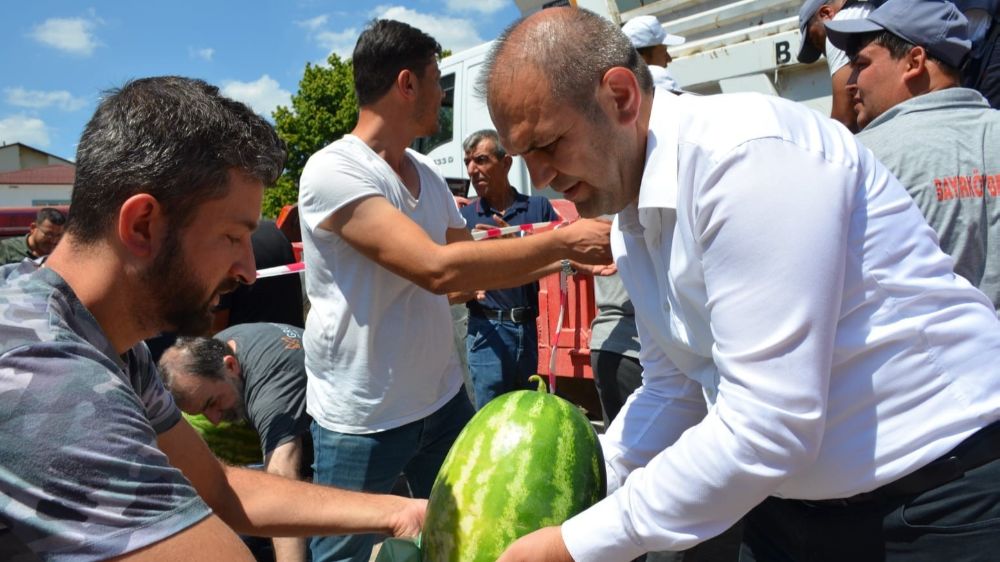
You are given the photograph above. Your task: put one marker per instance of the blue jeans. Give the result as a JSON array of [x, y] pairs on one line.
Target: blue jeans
[[502, 355], [373, 462]]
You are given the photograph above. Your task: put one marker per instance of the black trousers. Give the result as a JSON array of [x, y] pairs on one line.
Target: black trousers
[[958, 521]]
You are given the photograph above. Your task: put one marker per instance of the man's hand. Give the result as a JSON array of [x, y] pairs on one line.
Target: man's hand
[[500, 223], [589, 241], [595, 270], [460, 297], [409, 517], [544, 545]]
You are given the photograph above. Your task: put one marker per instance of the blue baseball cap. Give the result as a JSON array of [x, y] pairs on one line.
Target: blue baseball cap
[[935, 25], [808, 53]]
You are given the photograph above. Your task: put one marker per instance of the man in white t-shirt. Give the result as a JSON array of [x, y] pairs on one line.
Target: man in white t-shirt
[[383, 241], [812, 16]]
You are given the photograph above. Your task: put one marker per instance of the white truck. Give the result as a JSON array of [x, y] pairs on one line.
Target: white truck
[[732, 46]]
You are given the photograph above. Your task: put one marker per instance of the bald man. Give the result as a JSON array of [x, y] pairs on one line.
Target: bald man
[[810, 359]]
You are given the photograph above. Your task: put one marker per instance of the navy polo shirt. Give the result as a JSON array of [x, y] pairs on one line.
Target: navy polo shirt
[[524, 210]]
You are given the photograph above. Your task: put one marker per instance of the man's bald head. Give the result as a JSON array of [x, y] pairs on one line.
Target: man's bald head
[[571, 47]]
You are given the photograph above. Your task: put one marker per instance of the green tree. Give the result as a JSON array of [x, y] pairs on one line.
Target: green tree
[[323, 110]]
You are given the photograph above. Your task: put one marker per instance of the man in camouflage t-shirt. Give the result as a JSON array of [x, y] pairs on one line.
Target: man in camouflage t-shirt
[[95, 460]]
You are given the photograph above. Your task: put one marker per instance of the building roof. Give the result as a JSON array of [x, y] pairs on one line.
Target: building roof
[[56, 174], [20, 145]]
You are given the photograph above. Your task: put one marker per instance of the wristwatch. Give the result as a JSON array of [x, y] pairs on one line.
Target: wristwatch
[[567, 268]]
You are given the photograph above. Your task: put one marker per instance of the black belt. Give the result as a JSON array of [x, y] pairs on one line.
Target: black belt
[[518, 315], [978, 449]]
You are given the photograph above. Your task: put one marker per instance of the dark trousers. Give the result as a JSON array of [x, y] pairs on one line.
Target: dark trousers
[[958, 521], [616, 376]]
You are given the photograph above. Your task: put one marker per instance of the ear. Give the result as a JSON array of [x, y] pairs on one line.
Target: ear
[[508, 161], [826, 12], [406, 83], [914, 64], [141, 225], [620, 91], [231, 365]]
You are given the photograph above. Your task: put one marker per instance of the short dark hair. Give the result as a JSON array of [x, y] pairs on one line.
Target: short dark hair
[[896, 45], [384, 49], [50, 214], [574, 54], [174, 138], [200, 357], [472, 141]]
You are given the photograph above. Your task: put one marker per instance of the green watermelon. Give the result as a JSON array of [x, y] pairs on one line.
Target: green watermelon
[[527, 460], [236, 443]]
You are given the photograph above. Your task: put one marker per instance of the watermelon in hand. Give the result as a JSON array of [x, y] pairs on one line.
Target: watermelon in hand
[[527, 460]]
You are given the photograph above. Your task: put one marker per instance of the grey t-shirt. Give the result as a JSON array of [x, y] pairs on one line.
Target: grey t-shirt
[[943, 148], [274, 380], [81, 477], [613, 329]]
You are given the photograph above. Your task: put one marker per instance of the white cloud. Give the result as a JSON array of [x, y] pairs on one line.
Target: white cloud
[[339, 42], [28, 130], [38, 99], [315, 23], [204, 54], [72, 35], [480, 6], [263, 94], [456, 34]]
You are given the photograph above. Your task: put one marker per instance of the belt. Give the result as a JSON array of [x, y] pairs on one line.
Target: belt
[[518, 315], [978, 449]]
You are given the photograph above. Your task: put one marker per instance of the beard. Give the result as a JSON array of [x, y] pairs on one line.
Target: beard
[[180, 300]]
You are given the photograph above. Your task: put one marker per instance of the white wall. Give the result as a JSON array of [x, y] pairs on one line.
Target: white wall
[[34, 195]]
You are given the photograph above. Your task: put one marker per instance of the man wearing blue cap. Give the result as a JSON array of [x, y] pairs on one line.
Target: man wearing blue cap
[[938, 138], [982, 72], [812, 16]]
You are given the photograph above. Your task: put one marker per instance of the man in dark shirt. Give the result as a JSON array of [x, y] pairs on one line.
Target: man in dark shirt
[[41, 239], [97, 461], [502, 339], [252, 371]]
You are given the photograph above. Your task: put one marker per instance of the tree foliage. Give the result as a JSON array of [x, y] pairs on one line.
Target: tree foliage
[[323, 110]]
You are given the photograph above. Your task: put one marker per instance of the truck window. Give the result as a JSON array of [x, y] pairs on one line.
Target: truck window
[[446, 119]]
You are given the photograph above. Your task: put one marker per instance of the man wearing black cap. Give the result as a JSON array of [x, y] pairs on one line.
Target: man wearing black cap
[[938, 138], [812, 16]]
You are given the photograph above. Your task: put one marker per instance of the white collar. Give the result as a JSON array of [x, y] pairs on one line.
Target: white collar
[[658, 187]]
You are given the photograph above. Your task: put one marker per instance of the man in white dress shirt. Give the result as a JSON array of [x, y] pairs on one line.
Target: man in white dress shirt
[[811, 361]]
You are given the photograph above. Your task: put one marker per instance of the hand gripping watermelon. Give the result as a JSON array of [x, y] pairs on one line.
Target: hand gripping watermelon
[[527, 460]]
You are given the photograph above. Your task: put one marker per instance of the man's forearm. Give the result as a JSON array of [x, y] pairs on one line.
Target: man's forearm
[[263, 504], [290, 549], [501, 264]]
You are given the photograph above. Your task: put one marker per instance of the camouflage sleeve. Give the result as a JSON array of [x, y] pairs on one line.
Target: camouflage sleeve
[[161, 409], [82, 477]]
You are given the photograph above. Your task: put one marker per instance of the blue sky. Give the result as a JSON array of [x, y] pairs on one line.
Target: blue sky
[[59, 55]]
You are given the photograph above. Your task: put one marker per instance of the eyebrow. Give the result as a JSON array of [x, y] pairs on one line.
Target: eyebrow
[[250, 224]]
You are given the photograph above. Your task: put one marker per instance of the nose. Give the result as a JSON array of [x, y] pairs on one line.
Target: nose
[[245, 268], [214, 415], [541, 171], [670, 59], [852, 81]]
